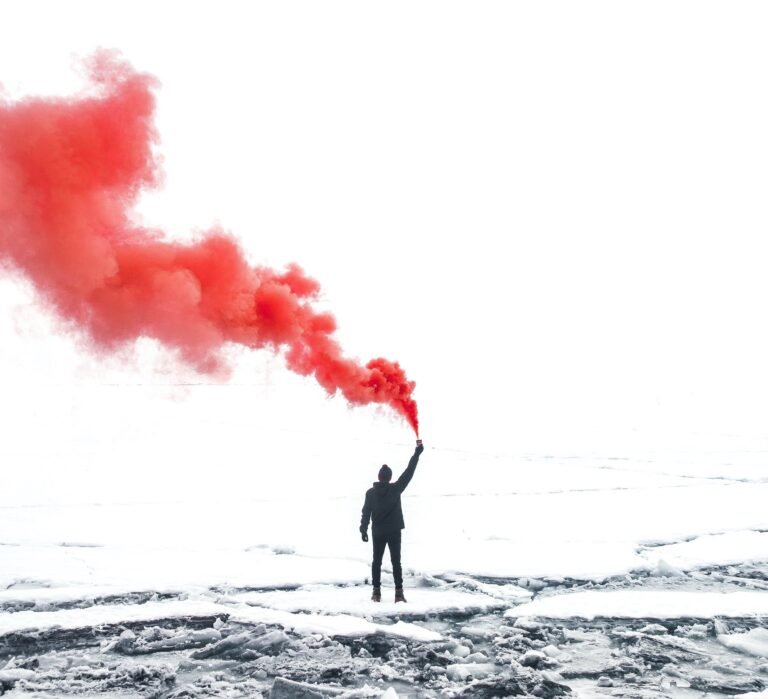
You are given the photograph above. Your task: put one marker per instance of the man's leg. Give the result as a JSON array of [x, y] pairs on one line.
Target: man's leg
[[395, 542], [379, 543]]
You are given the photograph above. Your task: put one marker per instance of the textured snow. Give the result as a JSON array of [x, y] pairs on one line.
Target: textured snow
[[331, 624], [460, 672], [506, 591], [357, 600], [714, 549], [754, 642], [107, 614], [42, 596], [98, 615], [645, 604], [13, 674], [258, 561], [552, 519], [147, 566]]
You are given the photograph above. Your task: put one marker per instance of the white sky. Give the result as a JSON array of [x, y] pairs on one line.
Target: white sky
[[552, 214]]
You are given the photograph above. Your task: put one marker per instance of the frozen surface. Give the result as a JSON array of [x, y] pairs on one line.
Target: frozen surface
[[100, 615], [715, 549], [106, 614], [144, 565], [356, 600], [227, 593], [754, 642], [581, 534], [646, 604]]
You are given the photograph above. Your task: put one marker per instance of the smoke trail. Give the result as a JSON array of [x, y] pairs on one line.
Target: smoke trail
[[70, 172]]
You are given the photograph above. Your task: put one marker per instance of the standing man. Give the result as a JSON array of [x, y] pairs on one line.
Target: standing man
[[382, 506]]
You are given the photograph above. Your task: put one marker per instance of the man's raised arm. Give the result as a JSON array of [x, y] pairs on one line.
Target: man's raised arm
[[402, 483]]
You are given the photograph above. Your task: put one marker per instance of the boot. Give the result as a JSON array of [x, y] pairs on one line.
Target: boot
[[399, 596], [376, 596]]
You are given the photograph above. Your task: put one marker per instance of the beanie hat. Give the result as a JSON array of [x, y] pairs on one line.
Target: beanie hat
[[385, 474]]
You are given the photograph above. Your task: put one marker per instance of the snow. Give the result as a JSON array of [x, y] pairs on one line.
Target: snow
[[713, 549], [505, 591], [331, 624], [754, 642], [298, 563], [356, 600], [459, 672], [98, 615], [590, 534], [14, 674], [149, 566], [258, 561], [34, 594], [645, 604], [107, 614]]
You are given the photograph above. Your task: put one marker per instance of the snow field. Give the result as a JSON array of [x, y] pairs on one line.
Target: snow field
[[100, 615], [645, 604]]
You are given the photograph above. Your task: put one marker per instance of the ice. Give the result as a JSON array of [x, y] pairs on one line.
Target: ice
[[13, 674], [170, 568], [461, 651], [463, 671], [107, 614], [287, 689], [168, 641], [508, 592], [754, 642], [357, 600], [262, 642], [645, 604], [532, 658], [586, 533], [550, 539], [331, 624], [99, 615], [665, 570], [713, 549]]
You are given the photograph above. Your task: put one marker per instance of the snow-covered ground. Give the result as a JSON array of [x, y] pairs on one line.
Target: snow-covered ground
[[492, 579], [548, 518], [647, 604]]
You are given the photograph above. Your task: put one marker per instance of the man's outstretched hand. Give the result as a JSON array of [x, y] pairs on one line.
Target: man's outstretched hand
[[419, 446], [364, 535]]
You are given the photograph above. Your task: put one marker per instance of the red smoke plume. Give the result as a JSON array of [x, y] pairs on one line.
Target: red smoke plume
[[70, 171]]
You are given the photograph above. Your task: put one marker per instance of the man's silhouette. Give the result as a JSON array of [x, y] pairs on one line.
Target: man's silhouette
[[382, 507]]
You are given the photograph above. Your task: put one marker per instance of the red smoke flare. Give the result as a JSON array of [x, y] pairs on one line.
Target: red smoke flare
[[70, 171]]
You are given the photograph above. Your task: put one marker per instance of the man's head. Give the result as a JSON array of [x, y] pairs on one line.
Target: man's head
[[385, 474]]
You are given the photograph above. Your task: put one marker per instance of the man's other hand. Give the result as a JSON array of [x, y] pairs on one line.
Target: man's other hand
[[364, 535]]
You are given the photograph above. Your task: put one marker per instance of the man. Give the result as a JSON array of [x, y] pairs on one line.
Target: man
[[382, 506]]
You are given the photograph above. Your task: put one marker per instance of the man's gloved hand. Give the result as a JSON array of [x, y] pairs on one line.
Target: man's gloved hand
[[419, 447], [364, 534]]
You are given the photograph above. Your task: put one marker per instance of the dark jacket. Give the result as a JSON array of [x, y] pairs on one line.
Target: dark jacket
[[382, 502]]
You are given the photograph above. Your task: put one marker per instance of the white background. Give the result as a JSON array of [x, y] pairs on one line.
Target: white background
[[552, 214]]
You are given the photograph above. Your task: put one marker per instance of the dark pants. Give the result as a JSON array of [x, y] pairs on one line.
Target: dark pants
[[380, 542]]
